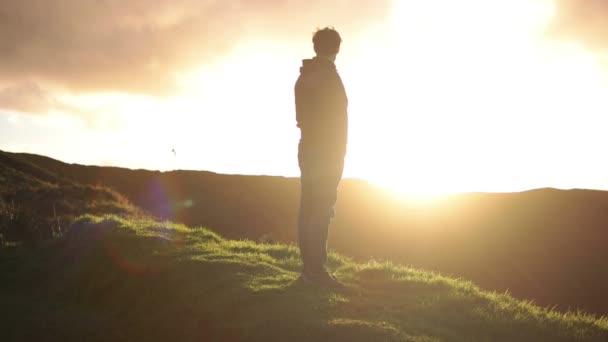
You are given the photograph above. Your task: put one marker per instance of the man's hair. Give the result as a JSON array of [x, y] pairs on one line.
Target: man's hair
[[326, 41]]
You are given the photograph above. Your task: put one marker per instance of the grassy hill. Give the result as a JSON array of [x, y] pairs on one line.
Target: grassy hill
[[119, 279], [36, 204], [545, 245]]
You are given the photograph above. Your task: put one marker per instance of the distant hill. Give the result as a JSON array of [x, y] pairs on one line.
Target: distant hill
[[129, 279], [545, 245]]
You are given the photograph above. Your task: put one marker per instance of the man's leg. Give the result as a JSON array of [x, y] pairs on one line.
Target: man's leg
[[308, 224], [318, 197]]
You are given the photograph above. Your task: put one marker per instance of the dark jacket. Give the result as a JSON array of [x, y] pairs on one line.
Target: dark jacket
[[321, 112]]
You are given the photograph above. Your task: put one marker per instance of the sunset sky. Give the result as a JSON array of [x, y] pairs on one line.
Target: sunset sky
[[444, 95]]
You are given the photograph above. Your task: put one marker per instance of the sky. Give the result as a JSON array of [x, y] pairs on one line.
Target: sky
[[444, 96]]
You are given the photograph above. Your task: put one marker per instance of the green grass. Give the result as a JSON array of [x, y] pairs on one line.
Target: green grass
[[116, 279]]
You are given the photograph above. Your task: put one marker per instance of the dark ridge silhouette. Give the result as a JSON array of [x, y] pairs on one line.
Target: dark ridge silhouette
[[546, 245]]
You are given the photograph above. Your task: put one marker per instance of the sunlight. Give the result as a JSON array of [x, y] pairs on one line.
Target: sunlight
[[444, 97], [461, 96], [240, 101]]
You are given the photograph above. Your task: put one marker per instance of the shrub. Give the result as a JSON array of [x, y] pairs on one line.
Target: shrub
[[18, 224]]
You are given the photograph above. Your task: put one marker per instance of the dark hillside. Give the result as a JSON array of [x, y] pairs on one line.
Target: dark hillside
[[546, 245], [36, 204], [267, 204]]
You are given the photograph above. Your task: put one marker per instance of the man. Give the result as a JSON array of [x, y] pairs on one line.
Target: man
[[321, 114]]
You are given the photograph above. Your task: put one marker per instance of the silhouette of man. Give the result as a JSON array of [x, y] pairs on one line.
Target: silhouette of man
[[321, 114]]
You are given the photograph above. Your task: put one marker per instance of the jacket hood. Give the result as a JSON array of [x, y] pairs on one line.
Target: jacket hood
[[317, 64]]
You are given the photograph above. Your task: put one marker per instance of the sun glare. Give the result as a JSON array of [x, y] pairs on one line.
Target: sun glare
[[467, 96]]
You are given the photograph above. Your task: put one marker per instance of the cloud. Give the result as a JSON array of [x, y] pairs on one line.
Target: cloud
[[26, 97], [582, 20], [31, 98], [139, 46]]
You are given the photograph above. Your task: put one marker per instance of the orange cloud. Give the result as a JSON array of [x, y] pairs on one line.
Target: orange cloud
[[139, 46], [582, 20], [27, 97], [30, 98]]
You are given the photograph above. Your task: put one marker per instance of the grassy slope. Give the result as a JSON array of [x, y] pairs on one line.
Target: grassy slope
[[45, 198], [547, 245], [119, 279]]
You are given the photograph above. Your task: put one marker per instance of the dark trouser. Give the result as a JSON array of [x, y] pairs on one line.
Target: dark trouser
[[319, 191]]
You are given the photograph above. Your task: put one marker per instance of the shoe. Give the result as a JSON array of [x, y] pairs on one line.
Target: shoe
[[322, 279]]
